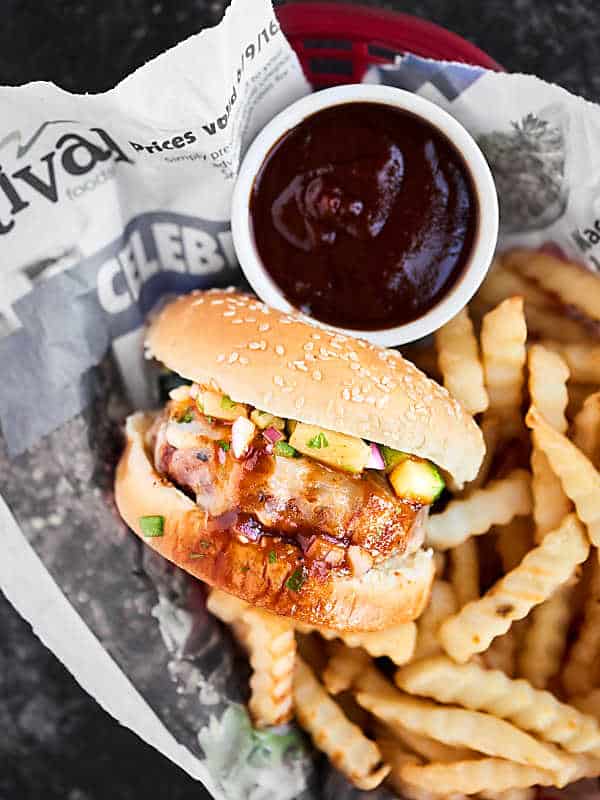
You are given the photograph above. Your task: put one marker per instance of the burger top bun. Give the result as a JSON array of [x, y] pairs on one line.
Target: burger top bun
[[283, 364]]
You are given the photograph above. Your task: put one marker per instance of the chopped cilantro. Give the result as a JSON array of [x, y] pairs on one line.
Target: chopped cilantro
[[187, 415], [272, 557], [197, 555], [295, 581], [318, 441], [223, 445], [204, 543], [227, 402], [210, 419], [245, 568], [284, 449], [153, 525]]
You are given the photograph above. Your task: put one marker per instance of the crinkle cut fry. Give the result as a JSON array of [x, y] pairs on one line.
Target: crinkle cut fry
[[579, 478], [458, 357], [397, 642], [471, 777], [492, 691], [271, 647], [456, 726], [541, 572], [342, 742], [496, 504], [503, 337]]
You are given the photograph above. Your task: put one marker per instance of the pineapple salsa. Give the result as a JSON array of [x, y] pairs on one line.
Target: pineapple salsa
[[410, 477]]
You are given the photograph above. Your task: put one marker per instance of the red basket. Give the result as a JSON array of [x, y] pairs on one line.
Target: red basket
[[337, 42]]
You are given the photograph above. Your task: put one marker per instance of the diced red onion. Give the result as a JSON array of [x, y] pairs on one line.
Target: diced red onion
[[273, 435], [375, 459]]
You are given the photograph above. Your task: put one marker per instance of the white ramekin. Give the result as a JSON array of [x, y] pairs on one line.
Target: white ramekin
[[487, 224]]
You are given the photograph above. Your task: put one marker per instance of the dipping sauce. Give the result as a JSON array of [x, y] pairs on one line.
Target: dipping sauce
[[364, 215]]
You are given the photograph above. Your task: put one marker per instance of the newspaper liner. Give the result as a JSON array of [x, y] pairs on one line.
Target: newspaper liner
[[128, 194]]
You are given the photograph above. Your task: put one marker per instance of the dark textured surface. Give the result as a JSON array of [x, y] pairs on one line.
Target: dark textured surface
[[55, 742]]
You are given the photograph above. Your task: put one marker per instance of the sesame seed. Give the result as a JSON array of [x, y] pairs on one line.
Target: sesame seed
[[308, 346], [264, 327], [221, 358], [250, 319], [316, 336], [243, 360], [277, 380], [229, 313], [346, 394], [217, 302], [280, 349], [262, 344], [233, 357], [301, 366], [354, 365], [352, 355], [254, 345], [317, 375], [237, 321]]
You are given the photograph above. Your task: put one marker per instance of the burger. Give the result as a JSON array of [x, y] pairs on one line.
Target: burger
[[296, 467]]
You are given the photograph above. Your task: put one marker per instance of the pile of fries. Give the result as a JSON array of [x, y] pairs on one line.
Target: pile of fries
[[496, 688]]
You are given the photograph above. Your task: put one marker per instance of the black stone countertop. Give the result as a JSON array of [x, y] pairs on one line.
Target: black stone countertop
[[55, 742]]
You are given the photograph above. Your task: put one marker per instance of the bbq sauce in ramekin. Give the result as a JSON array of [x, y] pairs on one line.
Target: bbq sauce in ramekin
[[364, 215]]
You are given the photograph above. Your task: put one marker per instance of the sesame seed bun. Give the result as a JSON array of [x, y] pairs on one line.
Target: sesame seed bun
[[390, 593], [283, 364]]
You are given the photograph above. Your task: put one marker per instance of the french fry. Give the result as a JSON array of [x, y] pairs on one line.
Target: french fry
[[458, 357], [588, 703], [501, 283], [397, 643], [548, 376], [503, 336], [541, 572], [349, 750], [344, 666], [545, 640], [580, 671], [550, 322], [572, 283], [496, 504], [491, 691], [271, 647], [396, 756], [442, 604], [457, 727], [583, 360], [272, 652], [586, 429], [464, 571], [476, 775], [514, 541], [550, 503], [580, 480], [430, 749]]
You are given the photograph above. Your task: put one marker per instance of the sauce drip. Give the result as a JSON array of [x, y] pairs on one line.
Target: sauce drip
[[364, 215]]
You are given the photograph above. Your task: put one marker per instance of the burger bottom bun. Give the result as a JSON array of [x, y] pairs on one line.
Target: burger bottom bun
[[395, 591]]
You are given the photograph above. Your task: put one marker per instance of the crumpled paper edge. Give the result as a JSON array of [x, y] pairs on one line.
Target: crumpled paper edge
[[60, 628]]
